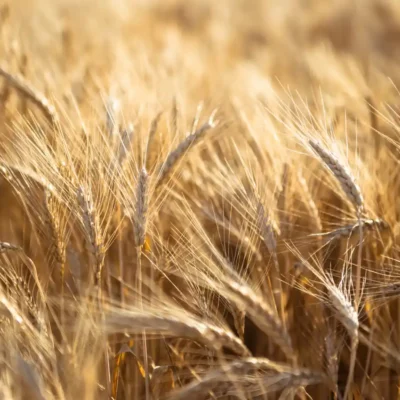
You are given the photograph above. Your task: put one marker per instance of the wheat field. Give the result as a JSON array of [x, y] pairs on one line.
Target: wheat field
[[199, 199]]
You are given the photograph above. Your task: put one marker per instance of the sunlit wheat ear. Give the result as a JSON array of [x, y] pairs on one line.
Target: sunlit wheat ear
[[140, 216], [344, 310], [18, 290], [354, 229], [22, 289], [23, 87], [262, 315], [239, 318], [210, 335], [245, 375], [341, 173], [190, 141], [92, 231], [112, 116], [348, 316], [337, 297]]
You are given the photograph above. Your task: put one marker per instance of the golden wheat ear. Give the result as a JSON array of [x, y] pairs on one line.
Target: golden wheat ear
[[190, 141], [341, 173], [92, 231], [32, 94], [251, 374]]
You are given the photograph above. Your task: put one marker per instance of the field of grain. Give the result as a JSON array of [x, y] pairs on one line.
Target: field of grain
[[199, 199]]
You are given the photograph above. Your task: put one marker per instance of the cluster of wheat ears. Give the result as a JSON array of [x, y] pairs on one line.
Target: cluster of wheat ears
[[198, 204]]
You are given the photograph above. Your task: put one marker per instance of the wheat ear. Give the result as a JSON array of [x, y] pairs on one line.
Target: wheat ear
[[19, 83], [262, 315], [208, 334], [139, 228], [18, 289], [347, 315], [140, 217], [353, 193], [269, 240], [175, 155], [239, 318], [349, 230], [341, 173], [126, 141], [248, 372], [92, 230]]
